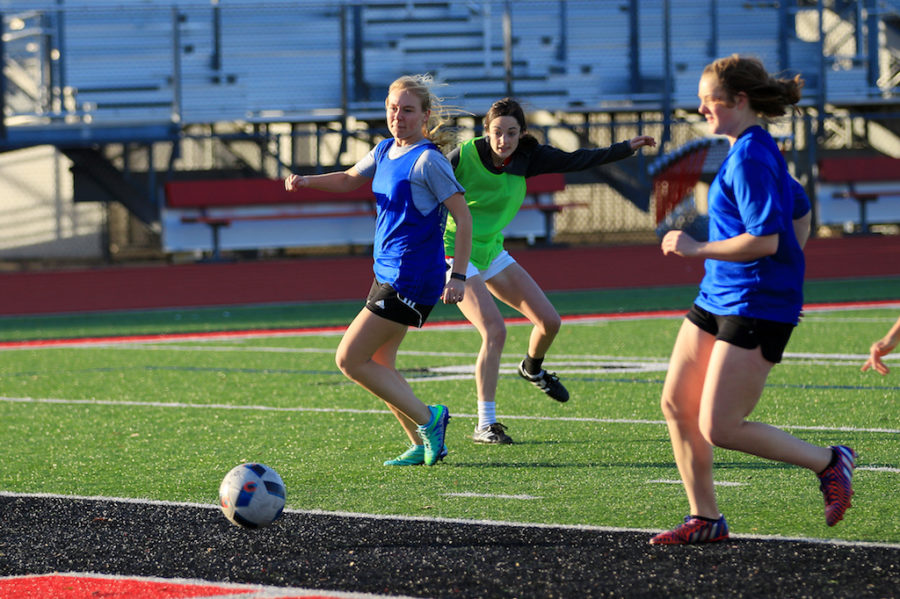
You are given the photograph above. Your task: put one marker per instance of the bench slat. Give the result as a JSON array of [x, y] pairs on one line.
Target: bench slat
[[221, 193], [857, 170], [221, 205]]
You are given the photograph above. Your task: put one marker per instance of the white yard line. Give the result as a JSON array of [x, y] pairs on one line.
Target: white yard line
[[263, 408]]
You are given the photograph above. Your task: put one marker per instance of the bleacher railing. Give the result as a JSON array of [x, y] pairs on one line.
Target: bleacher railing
[[151, 67]]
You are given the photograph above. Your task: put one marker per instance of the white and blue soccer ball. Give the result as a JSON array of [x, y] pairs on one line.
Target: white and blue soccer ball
[[252, 495]]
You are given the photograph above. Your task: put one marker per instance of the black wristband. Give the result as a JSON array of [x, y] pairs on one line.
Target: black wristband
[[457, 275]]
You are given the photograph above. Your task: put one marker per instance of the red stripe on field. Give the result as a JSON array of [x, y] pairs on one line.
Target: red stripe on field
[[71, 586], [169, 337], [83, 587], [199, 336]]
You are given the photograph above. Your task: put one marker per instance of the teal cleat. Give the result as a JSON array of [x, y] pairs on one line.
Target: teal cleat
[[414, 456], [433, 433]]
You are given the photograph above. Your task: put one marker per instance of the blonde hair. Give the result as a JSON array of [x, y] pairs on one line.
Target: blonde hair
[[422, 86], [768, 95]]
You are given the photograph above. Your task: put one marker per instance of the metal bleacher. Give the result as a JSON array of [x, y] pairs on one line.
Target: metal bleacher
[[165, 61], [79, 74]]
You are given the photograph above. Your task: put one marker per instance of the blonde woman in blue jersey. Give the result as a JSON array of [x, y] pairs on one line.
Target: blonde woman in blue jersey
[[749, 302], [494, 169], [415, 188]]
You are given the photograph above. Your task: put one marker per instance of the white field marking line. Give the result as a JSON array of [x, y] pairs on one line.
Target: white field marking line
[[215, 406], [879, 469], [662, 481], [858, 468], [847, 306], [865, 319], [173, 337], [339, 330], [215, 348], [570, 359], [618, 365], [729, 484], [621, 364], [491, 496], [258, 591], [163, 404], [789, 361], [540, 525]]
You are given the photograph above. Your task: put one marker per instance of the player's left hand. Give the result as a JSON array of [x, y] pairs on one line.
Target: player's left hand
[[642, 140], [880, 348]]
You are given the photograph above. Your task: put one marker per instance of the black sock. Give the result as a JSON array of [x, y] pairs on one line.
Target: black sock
[[532, 365], [705, 519], [834, 460]]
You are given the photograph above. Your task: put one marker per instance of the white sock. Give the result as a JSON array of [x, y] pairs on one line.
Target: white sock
[[487, 413]]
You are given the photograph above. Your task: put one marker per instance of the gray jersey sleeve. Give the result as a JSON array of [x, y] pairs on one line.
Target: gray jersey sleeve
[[366, 165], [433, 181]]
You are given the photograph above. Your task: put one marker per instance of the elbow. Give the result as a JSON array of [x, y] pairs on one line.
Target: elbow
[[767, 246], [463, 219], [465, 223]]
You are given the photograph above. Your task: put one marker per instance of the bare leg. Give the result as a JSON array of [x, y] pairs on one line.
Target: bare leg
[[386, 355], [711, 387], [681, 397], [735, 378], [481, 310], [369, 336], [515, 287]]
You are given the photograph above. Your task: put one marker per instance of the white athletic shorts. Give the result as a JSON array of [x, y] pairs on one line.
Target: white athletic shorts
[[503, 260]]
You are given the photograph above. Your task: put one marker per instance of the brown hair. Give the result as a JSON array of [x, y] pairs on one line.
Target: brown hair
[[422, 87], [768, 95], [510, 107]]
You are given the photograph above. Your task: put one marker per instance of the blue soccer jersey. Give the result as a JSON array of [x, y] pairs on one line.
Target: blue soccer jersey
[[409, 244], [754, 193]]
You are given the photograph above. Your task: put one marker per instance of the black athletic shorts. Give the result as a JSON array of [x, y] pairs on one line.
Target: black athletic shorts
[[748, 333], [384, 301]]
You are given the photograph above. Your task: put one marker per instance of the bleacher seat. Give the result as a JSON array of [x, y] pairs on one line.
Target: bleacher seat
[[281, 59]]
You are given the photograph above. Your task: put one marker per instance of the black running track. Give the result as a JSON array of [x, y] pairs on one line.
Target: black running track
[[423, 558]]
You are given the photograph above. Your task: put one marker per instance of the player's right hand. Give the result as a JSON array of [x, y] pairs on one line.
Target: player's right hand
[[294, 182]]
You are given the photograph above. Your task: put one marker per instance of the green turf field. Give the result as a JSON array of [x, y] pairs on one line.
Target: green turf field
[[166, 420]]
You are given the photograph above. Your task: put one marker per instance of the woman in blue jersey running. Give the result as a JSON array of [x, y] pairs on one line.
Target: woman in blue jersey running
[[414, 187], [749, 302]]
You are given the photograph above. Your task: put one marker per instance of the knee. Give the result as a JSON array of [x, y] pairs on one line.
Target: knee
[[670, 408], [344, 364], [678, 410], [495, 334], [716, 433], [551, 324]]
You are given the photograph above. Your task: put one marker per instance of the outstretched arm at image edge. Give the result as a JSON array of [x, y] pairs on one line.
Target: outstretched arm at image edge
[[881, 348]]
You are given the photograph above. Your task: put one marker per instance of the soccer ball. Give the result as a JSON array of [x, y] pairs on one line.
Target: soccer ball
[[252, 495]]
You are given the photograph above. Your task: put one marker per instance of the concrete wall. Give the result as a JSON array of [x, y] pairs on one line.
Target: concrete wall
[[38, 219]]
